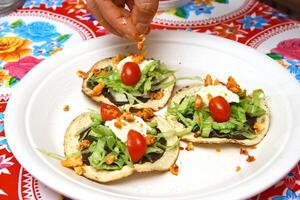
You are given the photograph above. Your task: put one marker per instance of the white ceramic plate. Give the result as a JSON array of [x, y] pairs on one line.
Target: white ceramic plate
[[35, 118]]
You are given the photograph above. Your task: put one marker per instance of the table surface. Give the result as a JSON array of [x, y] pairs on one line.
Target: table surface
[[42, 28]]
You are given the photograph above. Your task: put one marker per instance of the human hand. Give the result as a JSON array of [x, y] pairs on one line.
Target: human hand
[[113, 15]]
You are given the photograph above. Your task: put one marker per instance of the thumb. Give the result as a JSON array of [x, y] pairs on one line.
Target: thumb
[[143, 13]]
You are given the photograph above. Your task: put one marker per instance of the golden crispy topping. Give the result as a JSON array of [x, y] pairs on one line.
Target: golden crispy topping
[[232, 85], [174, 169], [118, 123], [99, 72], [82, 74], [156, 95], [238, 168], [198, 102], [127, 116], [118, 58], [218, 150], [217, 82], [250, 158], [209, 96], [97, 90], [73, 161], [110, 159], [66, 108], [149, 139], [146, 114], [189, 146], [208, 80], [79, 170], [244, 152], [84, 144], [258, 127], [139, 58], [140, 42]]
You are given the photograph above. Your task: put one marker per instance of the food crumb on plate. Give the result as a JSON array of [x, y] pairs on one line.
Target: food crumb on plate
[[252, 147], [79, 170], [189, 146], [244, 152], [174, 169], [218, 150], [82, 74], [250, 158], [66, 108], [181, 148], [238, 168]]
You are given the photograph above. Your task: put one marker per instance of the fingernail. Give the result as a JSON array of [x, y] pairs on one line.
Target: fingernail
[[142, 28]]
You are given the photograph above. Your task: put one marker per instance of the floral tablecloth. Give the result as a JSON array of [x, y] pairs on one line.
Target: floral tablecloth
[[42, 28]]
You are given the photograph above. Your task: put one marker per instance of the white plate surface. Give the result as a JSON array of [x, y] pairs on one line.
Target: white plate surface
[[35, 118]]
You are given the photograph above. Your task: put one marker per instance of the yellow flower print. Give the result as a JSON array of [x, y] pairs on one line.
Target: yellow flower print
[[13, 48]]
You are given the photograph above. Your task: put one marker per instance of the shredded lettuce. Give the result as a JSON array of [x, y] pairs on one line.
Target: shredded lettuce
[[201, 120], [153, 77]]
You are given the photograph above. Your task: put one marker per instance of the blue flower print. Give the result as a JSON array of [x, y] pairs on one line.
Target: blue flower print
[[47, 48], [53, 3], [1, 122], [4, 28], [32, 3], [253, 22], [42, 50], [294, 68], [4, 144], [203, 9], [37, 31], [48, 3], [289, 195]]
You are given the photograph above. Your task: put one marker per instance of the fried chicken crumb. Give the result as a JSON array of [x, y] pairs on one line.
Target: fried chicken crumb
[[110, 159], [82, 74], [84, 144], [250, 158], [189, 146], [244, 152], [119, 124], [73, 161], [149, 139], [174, 169], [181, 148], [97, 90], [156, 95], [146, 114], [208, 80], [66, 108], [238, 168], [79, 170]]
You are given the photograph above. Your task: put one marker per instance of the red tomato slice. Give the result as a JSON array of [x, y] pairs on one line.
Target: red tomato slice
[[131, 73], [109, 112], [219, 109], [136, 145]]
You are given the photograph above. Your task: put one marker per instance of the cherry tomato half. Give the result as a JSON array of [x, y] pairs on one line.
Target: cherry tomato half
[[219, 109], [131, 73], [136, 145], [109, 112]]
